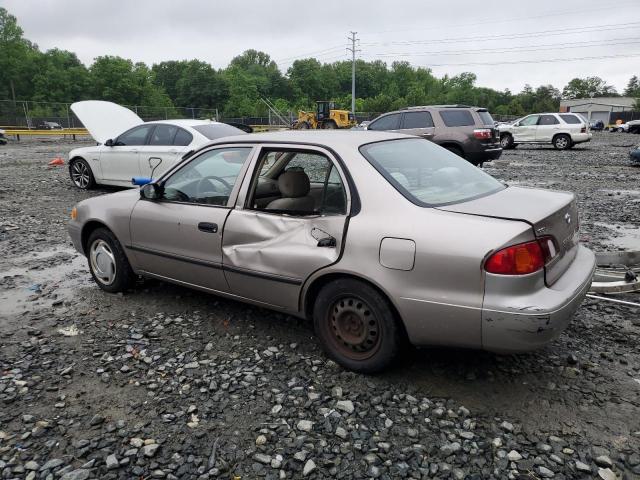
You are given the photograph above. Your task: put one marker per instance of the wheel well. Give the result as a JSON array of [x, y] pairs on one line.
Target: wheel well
[[89, 228], [560, 134], [452, 145], [78, 158], [318, 283]]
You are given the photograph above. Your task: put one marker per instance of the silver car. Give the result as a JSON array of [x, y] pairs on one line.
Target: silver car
[[380, 238]]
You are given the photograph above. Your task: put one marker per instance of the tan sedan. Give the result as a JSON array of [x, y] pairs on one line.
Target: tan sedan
[[380, 238]]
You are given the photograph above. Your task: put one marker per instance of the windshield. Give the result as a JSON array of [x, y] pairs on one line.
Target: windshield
[[214, 131], [426, 174]]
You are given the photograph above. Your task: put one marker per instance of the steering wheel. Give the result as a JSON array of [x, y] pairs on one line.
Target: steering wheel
[[200, 185]]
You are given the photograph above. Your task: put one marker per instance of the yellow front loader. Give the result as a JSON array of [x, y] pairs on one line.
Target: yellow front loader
[[325, 116]]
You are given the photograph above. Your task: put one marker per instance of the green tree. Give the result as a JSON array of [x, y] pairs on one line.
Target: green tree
[[633, 87], [60, 77], [588, 87], [201, 86]]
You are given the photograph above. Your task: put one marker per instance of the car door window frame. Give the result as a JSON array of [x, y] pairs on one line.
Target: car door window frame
[[404, 117], [377, 120], [236, 186], [154, 131], [150, 128], [557, 122], [529, 125], [252, 174]]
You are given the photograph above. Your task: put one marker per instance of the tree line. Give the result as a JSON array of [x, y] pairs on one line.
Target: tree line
[[26, 73]]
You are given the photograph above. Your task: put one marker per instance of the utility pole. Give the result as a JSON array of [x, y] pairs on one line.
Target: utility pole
[[353, 51]]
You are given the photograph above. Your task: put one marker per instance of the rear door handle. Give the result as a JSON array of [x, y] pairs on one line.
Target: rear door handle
[[208, 227]]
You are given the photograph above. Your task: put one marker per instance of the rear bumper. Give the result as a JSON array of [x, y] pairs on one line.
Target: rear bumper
[[581, 137], [530, 319], [485, 155]]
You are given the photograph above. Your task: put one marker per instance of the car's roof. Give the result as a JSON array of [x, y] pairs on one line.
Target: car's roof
[[187, 122], [330, 138]]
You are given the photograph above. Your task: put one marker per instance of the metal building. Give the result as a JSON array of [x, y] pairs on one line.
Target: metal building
[[607, 109]]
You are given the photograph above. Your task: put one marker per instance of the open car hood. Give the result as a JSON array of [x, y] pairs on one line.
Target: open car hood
[[105, 120]]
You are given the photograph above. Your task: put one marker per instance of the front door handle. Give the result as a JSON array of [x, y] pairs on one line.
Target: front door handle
[[208, 227]]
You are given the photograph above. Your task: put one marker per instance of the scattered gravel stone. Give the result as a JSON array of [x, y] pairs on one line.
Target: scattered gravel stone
[[309, 467]]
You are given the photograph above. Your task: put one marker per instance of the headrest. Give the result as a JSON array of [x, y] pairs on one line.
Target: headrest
[[293, 184]]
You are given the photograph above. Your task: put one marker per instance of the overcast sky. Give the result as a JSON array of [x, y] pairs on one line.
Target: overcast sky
[[450, 37]]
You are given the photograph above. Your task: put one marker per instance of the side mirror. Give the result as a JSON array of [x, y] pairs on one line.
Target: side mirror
[[140, 181], [109, 143], [151, 191]]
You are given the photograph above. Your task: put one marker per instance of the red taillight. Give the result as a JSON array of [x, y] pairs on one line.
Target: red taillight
[[521, 259], [583, 130], [482, 133]]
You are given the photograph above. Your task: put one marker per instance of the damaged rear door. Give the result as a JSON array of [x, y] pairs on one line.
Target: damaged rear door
[[290, 220]]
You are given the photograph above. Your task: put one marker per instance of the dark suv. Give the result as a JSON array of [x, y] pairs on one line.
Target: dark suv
[[466, 131]]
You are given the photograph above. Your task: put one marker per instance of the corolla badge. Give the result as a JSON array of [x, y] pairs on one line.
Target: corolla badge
[[567, 218]]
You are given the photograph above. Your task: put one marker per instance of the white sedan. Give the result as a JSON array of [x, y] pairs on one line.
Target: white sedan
[[128, 147]]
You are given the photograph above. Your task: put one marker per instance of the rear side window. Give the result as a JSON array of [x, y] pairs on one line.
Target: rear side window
[[486, 117], [548, 120], [417, 120], [457, 118], [570, 119], [163, 135], [182, 138], [388, 122], [426, 174], [214, 131]]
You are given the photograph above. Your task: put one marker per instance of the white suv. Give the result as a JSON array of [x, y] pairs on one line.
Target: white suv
[[562, 130]]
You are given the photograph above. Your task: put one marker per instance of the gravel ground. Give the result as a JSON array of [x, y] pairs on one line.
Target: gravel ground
[[165, 382]]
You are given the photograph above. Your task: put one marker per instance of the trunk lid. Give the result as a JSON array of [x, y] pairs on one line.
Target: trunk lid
[[105, 120], [550, 213]]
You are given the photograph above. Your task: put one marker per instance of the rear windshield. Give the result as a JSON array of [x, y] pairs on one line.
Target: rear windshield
[[486, 117], [426, 174], [570, 119], [218, 130], [457, 118]]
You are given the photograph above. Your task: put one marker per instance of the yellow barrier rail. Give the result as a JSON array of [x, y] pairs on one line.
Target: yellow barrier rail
[[48, 133]]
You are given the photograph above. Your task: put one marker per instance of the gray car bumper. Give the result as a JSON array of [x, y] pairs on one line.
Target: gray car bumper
[[75, 233], [517, 323]]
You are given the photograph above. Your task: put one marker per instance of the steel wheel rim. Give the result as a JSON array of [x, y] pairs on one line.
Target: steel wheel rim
[[504, 141], [102, 262], [80, 174], [354, 328], [561, 142]]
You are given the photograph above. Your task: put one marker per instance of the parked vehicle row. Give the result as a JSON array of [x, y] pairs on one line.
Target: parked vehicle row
[[562, 130], [380, 238], [632, 126]]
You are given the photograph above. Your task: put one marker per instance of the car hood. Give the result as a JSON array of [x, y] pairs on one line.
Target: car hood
[[105, 120]]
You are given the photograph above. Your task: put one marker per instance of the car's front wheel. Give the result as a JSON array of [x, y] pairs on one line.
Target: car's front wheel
[[506, 141], [81, 174], [562, 142], [108, 263], [356, 326]]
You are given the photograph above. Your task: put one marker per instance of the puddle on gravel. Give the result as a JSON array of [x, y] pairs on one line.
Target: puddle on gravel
[[41, 280], [627, 238]]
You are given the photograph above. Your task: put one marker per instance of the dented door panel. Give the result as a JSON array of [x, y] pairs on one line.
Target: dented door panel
[[267, 257]]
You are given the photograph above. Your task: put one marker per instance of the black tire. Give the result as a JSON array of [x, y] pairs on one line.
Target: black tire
[[81, 174], [506, 141], [456, 150], [356, 326], [108, 245], [329, 125], [562, 142]]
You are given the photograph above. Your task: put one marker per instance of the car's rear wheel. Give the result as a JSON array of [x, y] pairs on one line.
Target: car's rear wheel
[[108, 263], [81, 174], [506, 141], [356, 326], [562, 142]]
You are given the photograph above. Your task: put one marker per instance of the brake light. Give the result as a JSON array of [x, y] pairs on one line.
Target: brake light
[[583, 130], [523, 258], [482, 133]]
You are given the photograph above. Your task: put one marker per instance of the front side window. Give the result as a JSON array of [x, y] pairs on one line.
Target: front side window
[[427, 174], [163, 135], [207, 179], [548, 120], [457, 118], [529, 121], [417, 120], [135, 136], [570, 119], [297, 183], [388, 122]]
